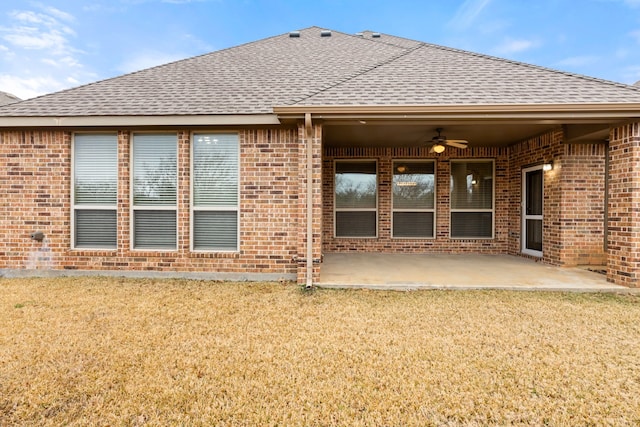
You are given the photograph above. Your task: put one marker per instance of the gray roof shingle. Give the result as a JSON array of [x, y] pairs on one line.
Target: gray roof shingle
[[7, 98], [311, 70], [434, 75]]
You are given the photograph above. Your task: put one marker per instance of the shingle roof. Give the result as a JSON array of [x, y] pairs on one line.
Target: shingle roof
[[341, 69], [7, 98]]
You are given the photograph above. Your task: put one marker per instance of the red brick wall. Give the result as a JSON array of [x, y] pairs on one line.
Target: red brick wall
[[623, 266], [574, 194], [35, 173], [442, 242], [35, 177], [582, 218]]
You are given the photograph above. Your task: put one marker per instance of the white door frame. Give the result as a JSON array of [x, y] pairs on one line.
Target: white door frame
[[525, 216]]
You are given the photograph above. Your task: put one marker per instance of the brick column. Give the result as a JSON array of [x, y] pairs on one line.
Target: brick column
[[316, 140], [124, 192], [184, 191], [623, 258]]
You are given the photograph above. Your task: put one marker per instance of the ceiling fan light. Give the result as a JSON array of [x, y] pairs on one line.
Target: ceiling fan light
[[438, 148]]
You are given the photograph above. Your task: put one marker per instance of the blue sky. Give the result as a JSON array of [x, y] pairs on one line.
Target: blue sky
[[50, 45]]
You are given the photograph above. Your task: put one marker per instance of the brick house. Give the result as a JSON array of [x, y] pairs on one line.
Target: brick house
[[251, 162]]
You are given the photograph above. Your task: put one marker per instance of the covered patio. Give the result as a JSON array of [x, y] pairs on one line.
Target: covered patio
[[456, 271]]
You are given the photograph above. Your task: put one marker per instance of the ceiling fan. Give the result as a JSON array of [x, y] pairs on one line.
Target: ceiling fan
[[439, 141]]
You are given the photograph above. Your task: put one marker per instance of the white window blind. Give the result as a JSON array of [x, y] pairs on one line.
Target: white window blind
[[154, 191], [95, 190], [356, 198], [472, 198], [215, 192], [413, 199]]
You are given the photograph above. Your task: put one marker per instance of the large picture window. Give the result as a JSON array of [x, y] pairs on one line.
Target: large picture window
[[413, 199], [95, 191], [154, 191], [215, 192], [472, 200], [356, 198]]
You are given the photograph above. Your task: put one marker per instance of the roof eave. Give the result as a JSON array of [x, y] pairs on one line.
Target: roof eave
[[129, 121], [468, 111]]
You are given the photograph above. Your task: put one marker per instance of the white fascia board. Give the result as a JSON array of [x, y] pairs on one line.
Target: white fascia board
[[473, 111], [130, 121]]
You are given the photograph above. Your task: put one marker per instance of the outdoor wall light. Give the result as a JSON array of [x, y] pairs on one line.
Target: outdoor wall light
[[438, 148], [547, 166]]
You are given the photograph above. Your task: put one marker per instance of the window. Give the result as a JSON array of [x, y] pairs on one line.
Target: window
[[472, 199], [95, 191], [215, 192], [356, 198], [413, 199], [154, 191]]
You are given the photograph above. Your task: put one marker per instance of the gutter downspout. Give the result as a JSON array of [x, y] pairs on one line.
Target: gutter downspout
[[308, 125]]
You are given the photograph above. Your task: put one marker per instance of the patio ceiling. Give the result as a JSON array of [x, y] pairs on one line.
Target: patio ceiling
[[481, 125], [373, 133]]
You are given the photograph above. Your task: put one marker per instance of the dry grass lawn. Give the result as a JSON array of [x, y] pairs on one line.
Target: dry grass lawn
[[111, 352]]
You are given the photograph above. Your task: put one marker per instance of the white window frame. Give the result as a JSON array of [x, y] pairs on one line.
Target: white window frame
[[336, 210], [194, 208], [493, 200], [435, 200], [134, 208], [75, 207]]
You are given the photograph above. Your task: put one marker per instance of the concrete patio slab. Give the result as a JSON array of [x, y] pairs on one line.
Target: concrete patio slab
[[464, 271]]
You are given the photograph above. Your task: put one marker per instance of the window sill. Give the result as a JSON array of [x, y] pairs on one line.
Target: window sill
[[93, 252], [414, 238], [214, 255]]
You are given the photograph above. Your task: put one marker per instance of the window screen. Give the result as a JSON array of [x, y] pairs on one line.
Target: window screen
[[472, 199], [413, 199], [154, 191], [356, 198], [95, 190], [215, 192]]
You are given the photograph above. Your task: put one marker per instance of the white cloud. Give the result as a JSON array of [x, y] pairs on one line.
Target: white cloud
[[636, 35], [467, 13], [59, 14], [30, 38], [30, 87], [38, 31], [510, 46], [38, 52]]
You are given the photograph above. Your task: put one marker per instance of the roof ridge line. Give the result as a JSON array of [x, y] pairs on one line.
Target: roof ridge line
[[539, 67], [405, 52], [383, 40]]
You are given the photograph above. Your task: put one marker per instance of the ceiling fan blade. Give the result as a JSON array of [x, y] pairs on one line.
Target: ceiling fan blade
[[458, 143], [431, 151]]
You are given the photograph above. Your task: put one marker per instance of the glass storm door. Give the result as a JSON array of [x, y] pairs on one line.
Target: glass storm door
[[532, 191]]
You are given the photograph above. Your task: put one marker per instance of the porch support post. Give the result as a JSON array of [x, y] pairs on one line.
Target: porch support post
[[623, 254], [309, 202]]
